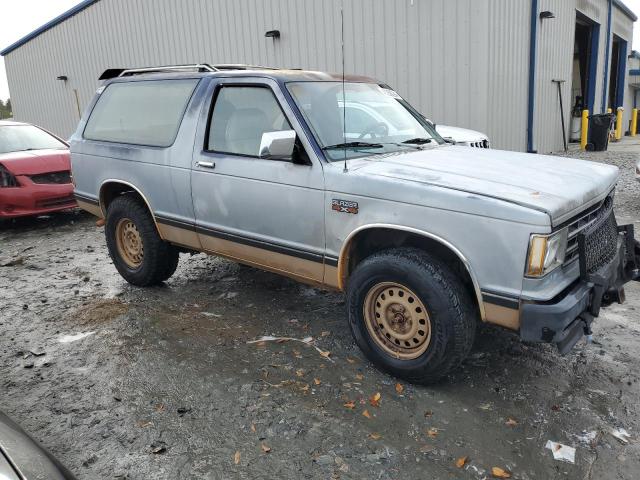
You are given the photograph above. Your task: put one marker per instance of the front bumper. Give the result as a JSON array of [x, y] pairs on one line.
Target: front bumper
[[565, 319], [35, 199]]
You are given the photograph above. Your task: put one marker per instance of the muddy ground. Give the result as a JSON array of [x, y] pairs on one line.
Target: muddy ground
[[127, 383]]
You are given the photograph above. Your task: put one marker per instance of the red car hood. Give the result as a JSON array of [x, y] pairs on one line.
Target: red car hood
[[36, 161]]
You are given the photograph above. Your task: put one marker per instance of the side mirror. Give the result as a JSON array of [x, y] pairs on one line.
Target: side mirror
[[278, 145]]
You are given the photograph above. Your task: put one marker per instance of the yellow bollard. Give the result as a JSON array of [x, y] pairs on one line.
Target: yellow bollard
[[619, 114], [585, 129], [634, 122]]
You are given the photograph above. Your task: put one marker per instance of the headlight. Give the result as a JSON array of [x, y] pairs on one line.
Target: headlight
[[6, 178], [546, 252]]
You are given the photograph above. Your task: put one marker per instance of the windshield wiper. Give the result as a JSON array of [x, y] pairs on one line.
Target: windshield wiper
[[353, 145], [418, 141]]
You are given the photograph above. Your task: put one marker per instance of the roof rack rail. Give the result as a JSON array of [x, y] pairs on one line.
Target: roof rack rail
[[199, 67], [241, 66]]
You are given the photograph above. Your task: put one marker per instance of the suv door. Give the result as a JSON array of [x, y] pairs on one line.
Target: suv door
[[264, 212]]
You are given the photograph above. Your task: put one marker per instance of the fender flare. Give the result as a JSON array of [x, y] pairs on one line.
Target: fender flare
[[133, 187], [343, 257]]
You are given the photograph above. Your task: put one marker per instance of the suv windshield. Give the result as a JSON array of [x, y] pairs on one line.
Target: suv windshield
[[20, 138], [366, 120]]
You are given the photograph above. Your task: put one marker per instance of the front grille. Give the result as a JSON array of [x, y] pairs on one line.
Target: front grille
[[483, 144], [580, 224], [593, 237], [598, 245], [52, 178], [56, 202]]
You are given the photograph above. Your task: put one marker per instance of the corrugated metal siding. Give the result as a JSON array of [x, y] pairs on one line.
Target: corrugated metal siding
[[460, 62], [438, 54], [556, 38]]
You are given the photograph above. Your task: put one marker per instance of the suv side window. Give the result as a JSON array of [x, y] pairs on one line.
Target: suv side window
[[240, 116], [140, 113]]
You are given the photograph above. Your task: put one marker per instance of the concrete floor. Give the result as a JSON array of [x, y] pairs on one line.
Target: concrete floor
[[160, 383]]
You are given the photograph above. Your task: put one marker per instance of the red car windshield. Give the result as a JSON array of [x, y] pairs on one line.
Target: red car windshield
[[22, 138]]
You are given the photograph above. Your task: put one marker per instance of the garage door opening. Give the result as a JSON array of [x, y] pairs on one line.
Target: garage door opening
[[585, 61], [618, 66]]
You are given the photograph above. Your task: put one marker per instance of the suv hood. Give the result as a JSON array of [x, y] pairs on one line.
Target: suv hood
[[558, 186], [35, 162]]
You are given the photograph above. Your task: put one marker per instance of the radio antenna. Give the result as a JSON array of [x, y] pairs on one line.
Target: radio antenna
[[344, 95]]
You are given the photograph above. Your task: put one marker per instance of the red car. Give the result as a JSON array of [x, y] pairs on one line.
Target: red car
[[35, 171]]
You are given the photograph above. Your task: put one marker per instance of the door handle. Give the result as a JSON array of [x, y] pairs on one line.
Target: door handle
[[206, 164]]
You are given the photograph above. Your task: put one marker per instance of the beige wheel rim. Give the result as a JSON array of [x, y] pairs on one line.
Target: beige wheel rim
[[129, 242], [397, 320]]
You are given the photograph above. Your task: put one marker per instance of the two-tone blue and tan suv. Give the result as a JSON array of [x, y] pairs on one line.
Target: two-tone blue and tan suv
[[279, 170]]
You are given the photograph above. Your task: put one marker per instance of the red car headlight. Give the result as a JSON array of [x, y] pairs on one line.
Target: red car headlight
[[7, 179]]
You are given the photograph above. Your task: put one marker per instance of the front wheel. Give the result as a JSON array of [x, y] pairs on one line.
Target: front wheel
[[410, 314], [137, 251]]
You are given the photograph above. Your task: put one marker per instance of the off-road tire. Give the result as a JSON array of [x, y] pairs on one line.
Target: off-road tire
[[160, 258], [451, 311]]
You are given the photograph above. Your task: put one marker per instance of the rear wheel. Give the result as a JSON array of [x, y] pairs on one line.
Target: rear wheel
[[410, 314], [137, 251]]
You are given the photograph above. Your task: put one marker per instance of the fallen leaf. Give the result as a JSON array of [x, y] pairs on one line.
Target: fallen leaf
[[461, 462], [427, 448], [375, 436], [158, 447], [498, 472], [359, 376], [325, 353], [236, 458], [300, 373], [366, 414], [305, 388], [428, 414], [142, 424], [317, 381], [265, 448], [160, 407], [325, 334], [511, 422], [375, 399], [253, 427], [350, 360], [432, 432], [350, 404], [399, 388]]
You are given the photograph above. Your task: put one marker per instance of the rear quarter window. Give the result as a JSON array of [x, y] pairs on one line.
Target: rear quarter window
[[140, 113]]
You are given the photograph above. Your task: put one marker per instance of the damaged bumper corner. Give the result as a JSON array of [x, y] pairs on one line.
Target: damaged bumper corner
[[565, 319]]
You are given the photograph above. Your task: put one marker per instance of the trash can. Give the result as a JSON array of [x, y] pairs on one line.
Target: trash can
[[599, 126]]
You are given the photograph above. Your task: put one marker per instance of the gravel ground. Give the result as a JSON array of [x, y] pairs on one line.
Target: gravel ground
[[159, 383]]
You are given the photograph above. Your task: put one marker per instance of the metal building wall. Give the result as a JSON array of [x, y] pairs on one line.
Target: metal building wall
[[461, 62]]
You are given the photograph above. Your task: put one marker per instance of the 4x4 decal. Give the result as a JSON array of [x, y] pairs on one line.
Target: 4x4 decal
[[344, 206]]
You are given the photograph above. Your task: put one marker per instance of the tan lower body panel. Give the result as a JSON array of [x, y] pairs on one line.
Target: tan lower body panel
[[301, 269], [331, 279], [503, 316], [179, 236], [90, 207]]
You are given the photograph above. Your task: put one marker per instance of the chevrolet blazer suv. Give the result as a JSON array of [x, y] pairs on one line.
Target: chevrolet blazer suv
[[426, 239]]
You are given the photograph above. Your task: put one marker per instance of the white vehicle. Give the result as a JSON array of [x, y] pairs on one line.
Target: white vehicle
[[463, 136], [377, 115]]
